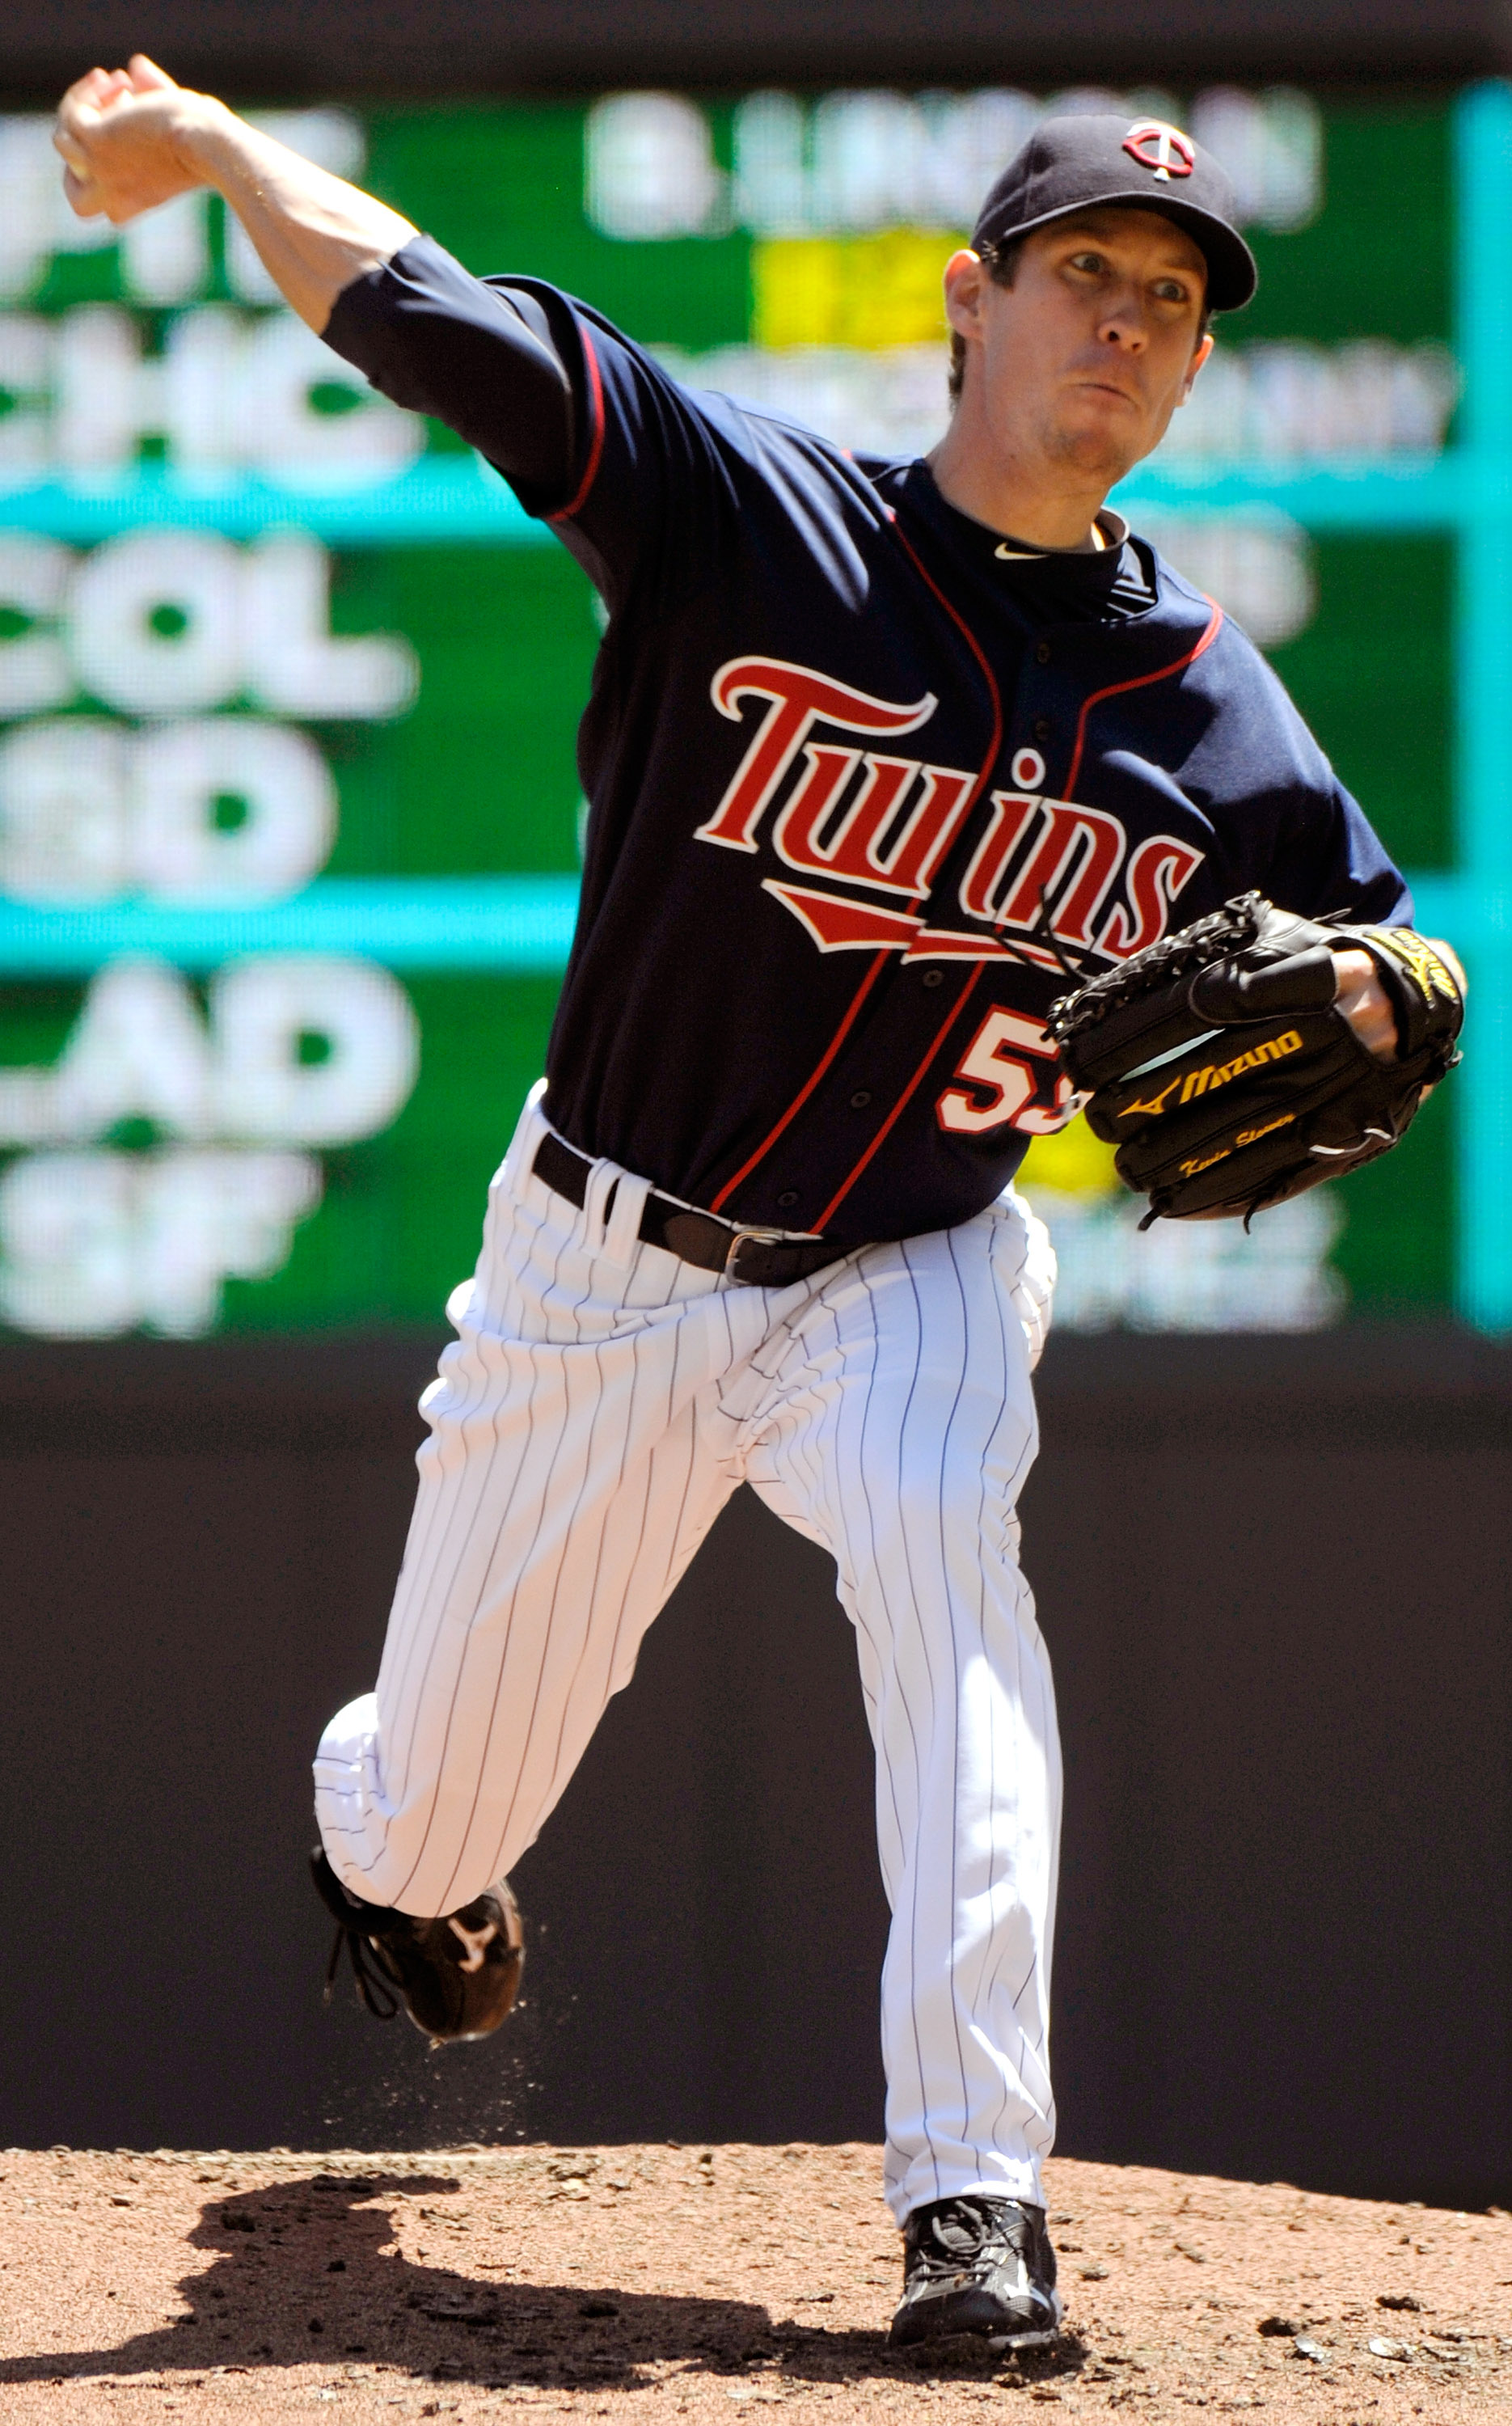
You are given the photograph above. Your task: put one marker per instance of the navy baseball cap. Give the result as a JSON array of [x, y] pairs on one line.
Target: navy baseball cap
[[1072, 164]]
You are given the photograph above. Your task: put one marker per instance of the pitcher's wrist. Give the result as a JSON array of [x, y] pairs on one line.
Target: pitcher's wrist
[[204, 137]]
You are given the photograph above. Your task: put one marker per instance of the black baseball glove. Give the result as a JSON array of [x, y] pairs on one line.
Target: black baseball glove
[[1216, 1061]]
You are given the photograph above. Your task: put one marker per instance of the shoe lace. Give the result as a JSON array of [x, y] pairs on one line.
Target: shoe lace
[[374, 1989], [961, 2230]]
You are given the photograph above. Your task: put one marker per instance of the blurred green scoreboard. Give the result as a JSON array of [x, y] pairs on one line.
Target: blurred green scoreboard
[[289, 815]]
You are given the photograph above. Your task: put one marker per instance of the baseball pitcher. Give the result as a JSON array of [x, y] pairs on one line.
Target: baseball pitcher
[[899, 772]]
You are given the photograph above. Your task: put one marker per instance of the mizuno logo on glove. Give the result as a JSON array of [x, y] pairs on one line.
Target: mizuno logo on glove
[[1216, 1074]]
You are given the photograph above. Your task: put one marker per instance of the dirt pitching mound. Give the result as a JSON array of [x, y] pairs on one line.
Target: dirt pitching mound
[[644, 2281]]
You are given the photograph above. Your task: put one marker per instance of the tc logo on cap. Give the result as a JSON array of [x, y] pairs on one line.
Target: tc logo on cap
[[1163, 150]]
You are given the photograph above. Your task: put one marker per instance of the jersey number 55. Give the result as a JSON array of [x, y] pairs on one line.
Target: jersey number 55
[[1005, 1065]]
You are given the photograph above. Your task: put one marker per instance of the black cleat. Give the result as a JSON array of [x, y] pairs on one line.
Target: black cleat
[[456, 1978], [978, 2265]]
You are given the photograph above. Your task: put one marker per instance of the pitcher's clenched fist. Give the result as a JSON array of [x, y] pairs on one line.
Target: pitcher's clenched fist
[[125, 136], [131, 139]]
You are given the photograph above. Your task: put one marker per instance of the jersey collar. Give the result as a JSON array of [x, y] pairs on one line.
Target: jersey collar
[[1038, 586]]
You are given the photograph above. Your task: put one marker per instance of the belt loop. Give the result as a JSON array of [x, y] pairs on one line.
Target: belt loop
[[603, 1177], [622, 1231], [613, 1203]]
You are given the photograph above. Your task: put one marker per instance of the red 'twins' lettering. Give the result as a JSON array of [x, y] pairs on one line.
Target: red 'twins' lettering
[[1155, 874], [887, 823], [870, 844], [1071, 861], [798, 699]]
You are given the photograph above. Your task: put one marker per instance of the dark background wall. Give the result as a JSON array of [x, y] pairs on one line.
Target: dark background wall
[[408, 47], [1274, 1577]]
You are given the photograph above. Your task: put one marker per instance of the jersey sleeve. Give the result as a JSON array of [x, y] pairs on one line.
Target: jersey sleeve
[[480, 356], [1297, 836], [593, 436], [1331, 858]]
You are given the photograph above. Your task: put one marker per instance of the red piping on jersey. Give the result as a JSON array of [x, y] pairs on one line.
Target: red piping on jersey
[[807, 1088], [876, 970], [937, 1040], [595, 448], [977, 651], [988, 764], [1161, 675]]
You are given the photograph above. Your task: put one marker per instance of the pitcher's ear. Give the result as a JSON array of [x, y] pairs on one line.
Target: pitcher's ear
[[965, 278], [1198, 358]]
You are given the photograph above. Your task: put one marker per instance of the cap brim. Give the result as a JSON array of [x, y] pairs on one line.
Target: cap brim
[[1233, 276]]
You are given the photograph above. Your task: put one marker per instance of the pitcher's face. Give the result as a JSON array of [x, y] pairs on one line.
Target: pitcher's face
[[1084, 359]]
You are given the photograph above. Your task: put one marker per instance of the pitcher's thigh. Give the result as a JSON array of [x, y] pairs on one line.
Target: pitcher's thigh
[[899, 1432], [899, 1422], [550, 1526]]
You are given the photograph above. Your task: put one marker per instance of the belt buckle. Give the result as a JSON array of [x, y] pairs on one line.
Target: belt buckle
[[761, 1237]]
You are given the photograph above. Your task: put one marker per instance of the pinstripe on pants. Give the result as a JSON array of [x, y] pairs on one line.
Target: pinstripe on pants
[[601, 1403]]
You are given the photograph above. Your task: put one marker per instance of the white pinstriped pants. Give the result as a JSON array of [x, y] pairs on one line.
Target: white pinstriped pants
[[601, 1403]]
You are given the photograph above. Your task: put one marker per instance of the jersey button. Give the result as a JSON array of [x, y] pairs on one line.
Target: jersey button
[[1042, 652], [788, 1198], [861, 1099], [934, 977], [1040, 728]]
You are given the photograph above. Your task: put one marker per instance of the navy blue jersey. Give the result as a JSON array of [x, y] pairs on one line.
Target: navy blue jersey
[[861, 774]]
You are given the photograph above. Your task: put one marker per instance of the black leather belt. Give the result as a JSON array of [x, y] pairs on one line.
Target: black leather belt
[[700, 1238]]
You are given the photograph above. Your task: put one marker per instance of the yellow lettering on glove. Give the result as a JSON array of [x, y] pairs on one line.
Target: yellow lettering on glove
[[1217, 1074]]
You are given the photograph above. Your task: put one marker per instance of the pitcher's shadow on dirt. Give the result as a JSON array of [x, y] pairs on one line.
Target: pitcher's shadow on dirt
[[303, 2272]]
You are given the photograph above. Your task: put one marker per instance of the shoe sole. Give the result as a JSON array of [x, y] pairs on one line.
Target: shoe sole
[[1038, 2338]]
